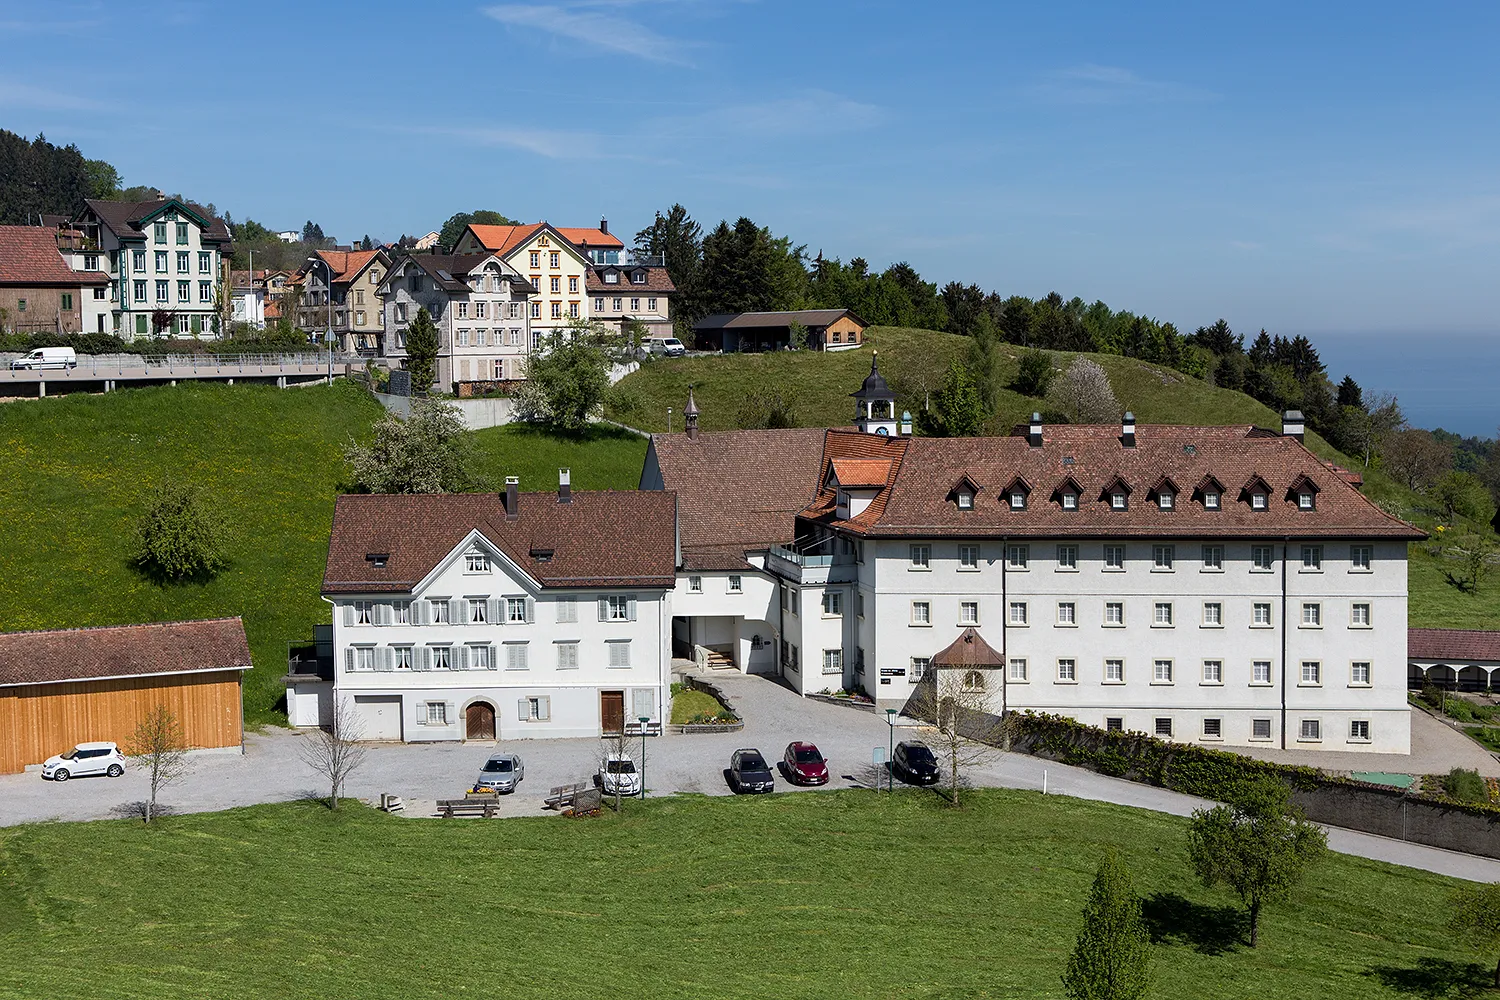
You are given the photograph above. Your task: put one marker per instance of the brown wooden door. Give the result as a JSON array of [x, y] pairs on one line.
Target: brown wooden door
[[479, 722], [612, 711]]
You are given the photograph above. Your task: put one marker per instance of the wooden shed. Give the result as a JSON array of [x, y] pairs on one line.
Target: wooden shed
[[70, 686]]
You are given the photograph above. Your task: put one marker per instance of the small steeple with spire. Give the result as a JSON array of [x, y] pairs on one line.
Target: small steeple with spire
[[875, 403], [690, 414]]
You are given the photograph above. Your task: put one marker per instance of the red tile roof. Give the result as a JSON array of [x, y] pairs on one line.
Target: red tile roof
[[29, 258], [861, 471], [82, 654], [1461, 645], [600, 539], [346, 264], [917, 502], [657, 282], [504, 239], [590, 237], [968, 650]]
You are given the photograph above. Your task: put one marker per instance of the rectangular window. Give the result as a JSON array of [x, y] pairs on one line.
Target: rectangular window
[[556, 286], [182, 233], [695, 585], [968, 612], [463, 310], [67, 301], [536, 709], [599, 304], [515, 610], [163, 291], [1312, 615], [184, 261], [1359, 673], [921, 613], [437, 713], [921, 557], [619, 652], [1260, 729], [1114, 724], [1213, 671], [734, 585], [833, 661], [1018, 668], [1163, 557], [364, 612], [1262, 558], [1260, 672], [1312, 673], [1359, 558], [1260, 615], [205, 291], [1213, 558], [1161, 671], [364, 658], [1164, 727], [1067, 558], [651, 305], [635, 306], [480, 657], [572, 284], [184, 291], [553, 258], [536, 258], [1163, 615], [1359, 730], [1018, 612], [516, 656], [859, 603], [439, 608], [1067, 613], [401, 657], [160, 260], [139, 258], [1311, 730], [619, 303], [1213, 729], [478, 610], [1114, 671], [1067, 671], [159, 231], [1359, 616], [833, 603], [1114, 558], [1018, 557], [1114, 612], [557, 310], [617, 609], [918, 668], [968, 557], [1210, 499], [1312, 558], [1118, 501], [205, 262], [567, 655]]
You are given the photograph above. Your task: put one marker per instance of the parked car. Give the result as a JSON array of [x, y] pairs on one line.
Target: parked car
[[803, 764], [502, 772], [85, 758], [669, 347], [915, 764], [617, 775], [47, 357], [749, 772]]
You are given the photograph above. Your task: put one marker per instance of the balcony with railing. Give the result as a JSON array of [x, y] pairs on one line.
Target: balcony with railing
[[811, 564]]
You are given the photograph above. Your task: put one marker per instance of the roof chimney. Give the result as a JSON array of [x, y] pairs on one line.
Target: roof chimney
[[1292, 424], [1035, 437], [564, 485], [512, 501], [604, 226], [906, 423], [1127, 430], [690, 414]]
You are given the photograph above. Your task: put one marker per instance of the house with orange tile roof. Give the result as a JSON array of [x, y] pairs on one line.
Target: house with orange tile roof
[[341, 294], [1217, 585], [39, 291]]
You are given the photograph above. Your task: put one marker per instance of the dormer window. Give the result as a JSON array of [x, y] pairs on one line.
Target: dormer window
[[1305, 500], [1016, 493], [1117, 500], [1257, 501], [1070, 501], [611, 277], [1166, 500], [1017, 500], [639, 277], [965, 501], [1210, 500], [377, 560]]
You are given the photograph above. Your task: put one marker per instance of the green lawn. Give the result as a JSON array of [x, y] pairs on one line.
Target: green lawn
[[689, 704], [75, 473], [810, 895]]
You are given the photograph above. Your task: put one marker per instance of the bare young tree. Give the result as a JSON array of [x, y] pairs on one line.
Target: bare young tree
[[158, 747], [957, 703], [613, 745], [1083, 392], [335, 752]]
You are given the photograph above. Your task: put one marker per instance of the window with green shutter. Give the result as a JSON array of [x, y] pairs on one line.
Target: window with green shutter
[[67, 298]]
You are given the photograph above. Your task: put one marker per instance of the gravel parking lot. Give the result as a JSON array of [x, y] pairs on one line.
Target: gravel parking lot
[[271, 770]]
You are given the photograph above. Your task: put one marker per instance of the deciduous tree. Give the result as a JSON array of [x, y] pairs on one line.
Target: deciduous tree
[[957, 408], [1034, 373], [1414, 457], [335, 753], [181, 536], [567, 379], [956, 702], [157, 747], [1257, 844], [1112, 959], [1083, 392], [429, 452]]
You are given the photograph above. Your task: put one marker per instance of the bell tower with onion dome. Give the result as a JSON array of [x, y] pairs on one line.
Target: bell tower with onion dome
[[875, 403]]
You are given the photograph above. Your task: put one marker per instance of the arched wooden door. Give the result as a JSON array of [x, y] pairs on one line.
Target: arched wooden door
[[479, 721]]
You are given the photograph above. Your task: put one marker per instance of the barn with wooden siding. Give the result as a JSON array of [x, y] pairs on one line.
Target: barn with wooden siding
[[71, 686]]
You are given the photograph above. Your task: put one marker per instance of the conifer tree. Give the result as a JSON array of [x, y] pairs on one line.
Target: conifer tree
[[1112, 959]]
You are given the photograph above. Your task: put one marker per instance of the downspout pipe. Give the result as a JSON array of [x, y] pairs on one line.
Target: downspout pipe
[[1285, 547]]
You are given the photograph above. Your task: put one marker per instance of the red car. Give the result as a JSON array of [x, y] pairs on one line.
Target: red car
[[804, 764]]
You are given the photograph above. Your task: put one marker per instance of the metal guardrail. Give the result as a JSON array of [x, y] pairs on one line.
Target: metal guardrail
[[168, 364]]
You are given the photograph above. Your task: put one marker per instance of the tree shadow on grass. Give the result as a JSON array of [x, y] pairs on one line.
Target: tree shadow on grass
[[137, 810], [155, 576], [1209, 930], [1436, 977]]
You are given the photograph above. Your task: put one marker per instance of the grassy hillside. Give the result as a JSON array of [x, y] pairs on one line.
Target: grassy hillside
[[75, 472], [789, 896]]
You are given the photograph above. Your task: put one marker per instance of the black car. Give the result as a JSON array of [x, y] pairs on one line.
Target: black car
[[749, 772], [914, 764]]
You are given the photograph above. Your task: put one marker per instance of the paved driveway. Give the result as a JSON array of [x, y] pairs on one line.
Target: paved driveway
[[272, 771]]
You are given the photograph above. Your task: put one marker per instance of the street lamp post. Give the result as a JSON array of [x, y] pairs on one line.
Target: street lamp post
[[329, 293], [643, 720], [669, 420], [890, 752]]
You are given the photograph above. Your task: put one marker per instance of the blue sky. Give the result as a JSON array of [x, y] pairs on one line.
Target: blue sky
[[1302, 167]]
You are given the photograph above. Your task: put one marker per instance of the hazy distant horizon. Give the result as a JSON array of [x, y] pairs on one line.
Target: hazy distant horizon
[[1445, 380]]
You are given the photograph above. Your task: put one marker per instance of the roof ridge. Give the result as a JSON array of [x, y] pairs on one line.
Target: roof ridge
[[127, 625]]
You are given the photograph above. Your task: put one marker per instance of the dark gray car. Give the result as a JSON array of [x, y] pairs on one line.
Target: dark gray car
[[749, 772], [502, 772]]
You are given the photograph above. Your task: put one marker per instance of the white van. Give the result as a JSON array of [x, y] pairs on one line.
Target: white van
[[48, 357], [668, 346]]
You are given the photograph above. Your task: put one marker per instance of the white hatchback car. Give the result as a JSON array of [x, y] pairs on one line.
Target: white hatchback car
[[85, 758], [618, 774]]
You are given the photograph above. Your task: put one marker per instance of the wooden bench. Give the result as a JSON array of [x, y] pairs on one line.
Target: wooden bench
[[634, 729], [449, 808], [563, 796]]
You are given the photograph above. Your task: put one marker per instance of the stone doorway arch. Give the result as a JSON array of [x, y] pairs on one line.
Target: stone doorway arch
[[479, 721]]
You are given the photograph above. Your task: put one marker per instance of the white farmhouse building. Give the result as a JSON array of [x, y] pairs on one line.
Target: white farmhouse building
[[1214, 584], [499, 616]]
